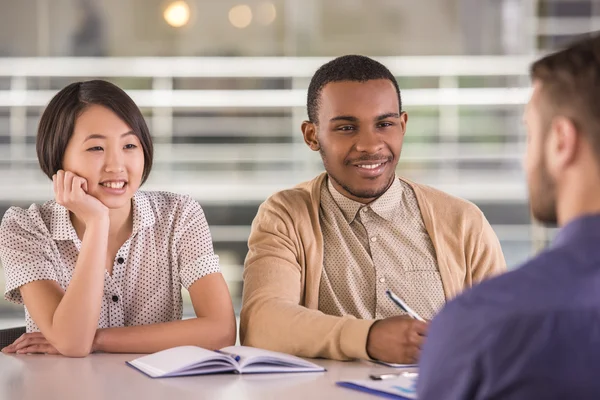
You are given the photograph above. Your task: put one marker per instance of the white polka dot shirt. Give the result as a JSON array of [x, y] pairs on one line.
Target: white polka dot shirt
[[170, 246], [374, 247]]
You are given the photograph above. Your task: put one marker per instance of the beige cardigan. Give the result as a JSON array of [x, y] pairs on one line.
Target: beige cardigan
[[283, 268]]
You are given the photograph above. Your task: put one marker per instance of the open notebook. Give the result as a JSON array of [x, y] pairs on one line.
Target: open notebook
[[192, 360]]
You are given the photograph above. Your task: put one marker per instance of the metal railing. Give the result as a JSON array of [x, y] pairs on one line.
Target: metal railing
[[238, 143], [163, 101]]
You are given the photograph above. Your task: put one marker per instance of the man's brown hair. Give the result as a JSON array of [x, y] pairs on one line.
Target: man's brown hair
[[571, 86], [58, 121]]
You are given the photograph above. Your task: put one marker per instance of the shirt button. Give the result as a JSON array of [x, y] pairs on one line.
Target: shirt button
[[374, 239], [382, 280], [115, 298], [120, 260]]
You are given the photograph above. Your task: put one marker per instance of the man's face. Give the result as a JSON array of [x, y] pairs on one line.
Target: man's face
[[359, 135], [542, 187]]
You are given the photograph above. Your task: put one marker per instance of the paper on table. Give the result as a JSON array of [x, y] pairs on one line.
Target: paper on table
[[400, 388]]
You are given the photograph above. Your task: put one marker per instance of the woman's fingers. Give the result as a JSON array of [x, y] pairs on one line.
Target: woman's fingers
[[54, 186], [38, 348], [68, 184], [57, 181], [31, 337], [68, 187], [31, 341], [26, 336], [72, 193], [78, 184]]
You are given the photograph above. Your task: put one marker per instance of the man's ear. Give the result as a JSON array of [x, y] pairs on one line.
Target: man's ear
[[563, 143], [309, 130], [403, 121]]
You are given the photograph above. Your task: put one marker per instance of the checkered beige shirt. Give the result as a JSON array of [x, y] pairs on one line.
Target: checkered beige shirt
[[374, 247]]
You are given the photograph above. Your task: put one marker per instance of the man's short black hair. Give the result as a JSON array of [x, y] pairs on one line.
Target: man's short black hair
[[346, 68]]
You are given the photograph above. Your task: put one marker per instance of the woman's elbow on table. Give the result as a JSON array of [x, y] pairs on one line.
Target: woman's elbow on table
[[220, 332], [74, 348], [225, 333]]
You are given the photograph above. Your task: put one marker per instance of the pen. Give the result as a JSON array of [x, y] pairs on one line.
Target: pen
[[234, 356], [392, 376], [403, 305]]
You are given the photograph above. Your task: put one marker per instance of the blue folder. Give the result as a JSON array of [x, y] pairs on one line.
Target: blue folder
[[402, 389]]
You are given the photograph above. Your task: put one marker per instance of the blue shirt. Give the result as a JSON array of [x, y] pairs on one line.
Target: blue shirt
[[533, 333]]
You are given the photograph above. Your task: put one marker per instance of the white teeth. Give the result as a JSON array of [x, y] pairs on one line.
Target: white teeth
[[369, 166], [114, 185]]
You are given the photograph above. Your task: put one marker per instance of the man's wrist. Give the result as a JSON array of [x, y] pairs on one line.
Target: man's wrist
[[368, 344]]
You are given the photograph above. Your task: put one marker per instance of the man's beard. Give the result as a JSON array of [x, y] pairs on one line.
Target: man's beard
[[364, 194], [542, 195], [357, 192]]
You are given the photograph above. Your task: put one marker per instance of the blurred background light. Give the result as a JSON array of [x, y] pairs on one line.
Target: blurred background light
[[240, 16], [177, 14], [266, 13]]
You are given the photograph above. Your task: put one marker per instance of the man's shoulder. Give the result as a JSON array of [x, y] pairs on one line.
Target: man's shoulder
[[517, 303], [522, 291], [471, 321], [440, 201], [298, 199], [511, 318]]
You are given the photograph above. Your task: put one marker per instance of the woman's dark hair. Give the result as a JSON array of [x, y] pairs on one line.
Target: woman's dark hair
[[58, 121]]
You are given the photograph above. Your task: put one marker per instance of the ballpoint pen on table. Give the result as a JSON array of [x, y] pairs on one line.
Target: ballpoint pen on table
[[382, 377]]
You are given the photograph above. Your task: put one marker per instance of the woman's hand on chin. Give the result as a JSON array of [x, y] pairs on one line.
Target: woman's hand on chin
[[70, 191]]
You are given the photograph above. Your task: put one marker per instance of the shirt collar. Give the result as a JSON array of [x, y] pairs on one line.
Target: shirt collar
[[349, 207], [61, 227], [385, 205], [578, 229], [142, 212]]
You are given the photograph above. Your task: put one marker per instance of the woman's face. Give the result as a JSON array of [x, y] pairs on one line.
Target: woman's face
[[105, 151]]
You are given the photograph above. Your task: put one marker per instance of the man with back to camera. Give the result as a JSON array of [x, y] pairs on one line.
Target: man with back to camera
[[534, 333], [322, 255]]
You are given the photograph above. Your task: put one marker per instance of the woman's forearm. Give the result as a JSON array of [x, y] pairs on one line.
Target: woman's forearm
[[75, 320], [204, 332]]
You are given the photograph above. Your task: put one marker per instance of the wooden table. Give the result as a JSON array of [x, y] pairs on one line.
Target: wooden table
[[106, 376]]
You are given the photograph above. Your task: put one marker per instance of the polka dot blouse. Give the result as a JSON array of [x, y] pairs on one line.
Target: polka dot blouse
[[170, 247]]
